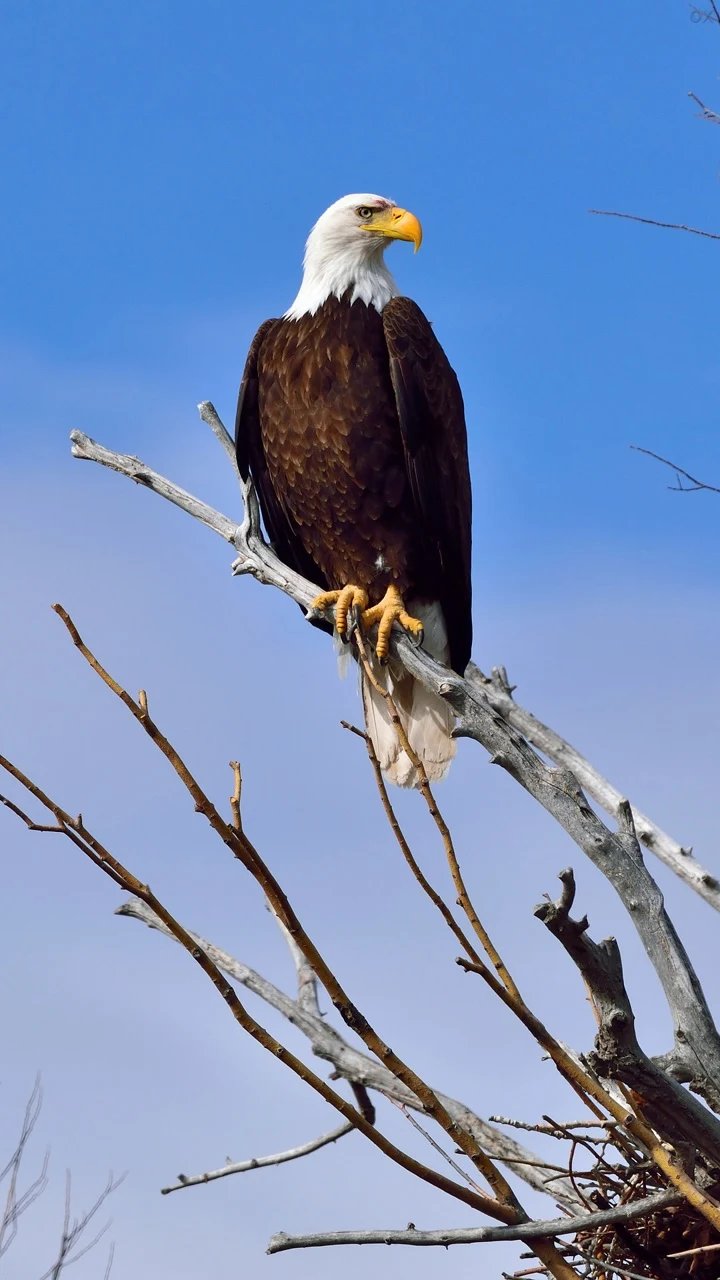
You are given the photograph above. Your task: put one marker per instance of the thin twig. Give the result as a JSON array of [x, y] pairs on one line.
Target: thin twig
[[102, 858], [695, 485], [689, 1253], [602, 1266], [248, 855], [349, 1062], [553, 1130], [652, 222], [16, 1203], [706, 113], [435, 1145], [464, 899], [498, 691], [407, 853], [262, 1162]]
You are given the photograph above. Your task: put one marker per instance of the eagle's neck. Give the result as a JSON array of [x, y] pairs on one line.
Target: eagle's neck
[[331, 270]]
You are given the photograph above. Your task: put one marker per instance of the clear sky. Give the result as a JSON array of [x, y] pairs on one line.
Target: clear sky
[[162, 164]]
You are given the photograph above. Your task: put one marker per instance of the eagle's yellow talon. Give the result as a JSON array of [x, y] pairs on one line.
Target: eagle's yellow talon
[[390, 609], [348, 598]]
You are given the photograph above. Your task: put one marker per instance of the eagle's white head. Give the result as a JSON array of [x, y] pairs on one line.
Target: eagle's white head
[[345, 251]]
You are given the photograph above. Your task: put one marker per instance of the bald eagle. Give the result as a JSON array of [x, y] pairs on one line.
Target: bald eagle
[[350, 421]]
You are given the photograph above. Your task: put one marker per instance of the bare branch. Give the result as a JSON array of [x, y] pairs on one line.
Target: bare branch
[[505, 1205], [262, 1162], [82, 838], [695, 485], [689, 1253], [617, 854], [17, 1202], [679, 858], [356, 1067], [209, 414], [705, 15], [307, 982], [407, 853], [653, 222], [463, 897], [72, 1248], [554, 1130], [706, 113], [609, 1268], [281, 1242], [669, 1108]]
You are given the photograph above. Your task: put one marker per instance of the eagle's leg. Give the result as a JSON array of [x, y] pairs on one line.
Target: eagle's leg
[[390, 609], [345, 601]]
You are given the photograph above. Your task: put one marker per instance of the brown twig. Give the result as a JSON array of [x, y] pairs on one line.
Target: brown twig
[[407, 853], [652, 222], [663, 1156], [506, 988], [464, 899], [506, 1207], [92, 848]]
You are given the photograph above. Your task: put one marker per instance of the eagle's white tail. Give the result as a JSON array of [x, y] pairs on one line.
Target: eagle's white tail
[[428, 720]]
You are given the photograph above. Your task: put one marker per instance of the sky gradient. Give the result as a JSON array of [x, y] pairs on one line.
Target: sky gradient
[[163, 163]]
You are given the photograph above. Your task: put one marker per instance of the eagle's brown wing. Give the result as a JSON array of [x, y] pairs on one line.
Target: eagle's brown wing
[[251, 458], [432, 422]]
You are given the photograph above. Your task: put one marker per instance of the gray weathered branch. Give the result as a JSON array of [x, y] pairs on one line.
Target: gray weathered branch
[[307, 981], [281, 1242], [679, 858], [669, 1108], [696, 1052], [261, 1162], [357, 1068]]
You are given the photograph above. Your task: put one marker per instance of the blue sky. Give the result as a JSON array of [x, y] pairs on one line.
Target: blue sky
[[162, 163]]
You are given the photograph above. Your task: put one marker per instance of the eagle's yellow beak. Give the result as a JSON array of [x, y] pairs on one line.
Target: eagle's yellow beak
[[396, 224]]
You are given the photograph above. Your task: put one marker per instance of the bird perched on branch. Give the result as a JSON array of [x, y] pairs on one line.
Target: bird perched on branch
[[351, 422]]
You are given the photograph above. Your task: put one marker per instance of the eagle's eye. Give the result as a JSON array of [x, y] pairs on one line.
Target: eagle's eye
[[364, 213]]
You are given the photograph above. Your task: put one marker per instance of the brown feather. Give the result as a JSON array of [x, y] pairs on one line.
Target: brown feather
[[352, 425]]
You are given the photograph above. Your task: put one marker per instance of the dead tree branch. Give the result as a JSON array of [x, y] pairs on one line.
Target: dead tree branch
[[261, 1162], [16, 1202], [668, 1107], [679, 858], [653, 222], [72, 1244], [696, 1051], [505, 1207], [705, 113], [281, 1242], [88, 844], [356, 1067], [71, 1247], [694, 486], [235, 838]]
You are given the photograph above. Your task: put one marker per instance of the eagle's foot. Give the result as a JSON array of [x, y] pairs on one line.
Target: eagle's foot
[[390, 609], [346, 602]]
